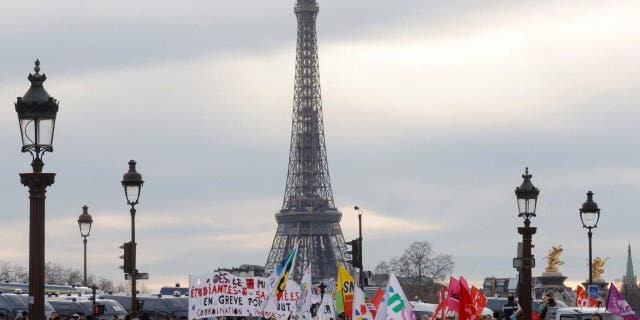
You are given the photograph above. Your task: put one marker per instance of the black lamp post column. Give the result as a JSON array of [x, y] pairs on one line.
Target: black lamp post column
[[590, 235], [36, 116], [37, 182], [527, 263], [132, 183], [134, 289], [527, 196], [84, 242], [84, 222], [590, 215], [361, 273]]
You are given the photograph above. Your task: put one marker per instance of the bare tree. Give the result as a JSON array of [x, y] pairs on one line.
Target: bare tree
[[6, 272], [105, 284], [73, 277], [54, 273], [20, 273], [121, 287], [419, 269], [102, 283]]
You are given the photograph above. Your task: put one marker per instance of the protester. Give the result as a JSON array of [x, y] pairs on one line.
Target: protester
[[510, 307], [596, 316], [518, 315], [548, 302]]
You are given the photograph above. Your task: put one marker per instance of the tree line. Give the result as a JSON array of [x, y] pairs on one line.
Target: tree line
[[55, 274]]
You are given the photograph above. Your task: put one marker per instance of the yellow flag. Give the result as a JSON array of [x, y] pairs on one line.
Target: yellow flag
[[345, 288]]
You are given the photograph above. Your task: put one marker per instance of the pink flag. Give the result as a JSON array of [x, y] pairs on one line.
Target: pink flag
[[453, 294], [618, 306]]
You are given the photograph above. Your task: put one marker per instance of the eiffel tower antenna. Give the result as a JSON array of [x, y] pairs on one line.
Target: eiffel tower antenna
[[308, 212]]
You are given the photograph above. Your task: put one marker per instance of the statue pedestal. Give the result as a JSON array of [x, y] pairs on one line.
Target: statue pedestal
[[552, 282], [552, 279]]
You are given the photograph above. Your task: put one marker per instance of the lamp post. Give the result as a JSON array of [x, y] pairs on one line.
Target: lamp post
[[361, 273], [590, 215], [132, 183], [84, 222], [36, 116], [527, 195]]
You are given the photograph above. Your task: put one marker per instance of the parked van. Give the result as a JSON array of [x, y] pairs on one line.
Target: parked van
[[425, 310], [174, 291], [12, 305], [156, 307], [421, 309], [581, 313], [66, 307]]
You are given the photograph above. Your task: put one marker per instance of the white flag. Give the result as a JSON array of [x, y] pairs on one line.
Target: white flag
[[327, 309], [304, 302], [394, 304], [360, 310]]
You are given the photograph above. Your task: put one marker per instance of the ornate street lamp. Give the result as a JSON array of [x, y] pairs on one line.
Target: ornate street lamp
[[527, 195], [36, 117], [84, 222], [590, 215], [132, 183]]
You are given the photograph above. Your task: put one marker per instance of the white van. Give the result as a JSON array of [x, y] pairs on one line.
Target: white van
[[581, 313], [421, 309]]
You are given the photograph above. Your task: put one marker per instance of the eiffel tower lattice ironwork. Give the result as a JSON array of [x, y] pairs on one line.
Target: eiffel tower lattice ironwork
[[308, 213]]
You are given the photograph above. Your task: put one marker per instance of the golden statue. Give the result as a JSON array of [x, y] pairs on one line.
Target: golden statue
[[553, 259], [597, 267]]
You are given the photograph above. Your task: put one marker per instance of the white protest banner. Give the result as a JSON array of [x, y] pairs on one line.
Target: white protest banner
[[223, 294], [217, 294]]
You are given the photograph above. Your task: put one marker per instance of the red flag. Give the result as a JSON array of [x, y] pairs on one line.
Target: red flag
[[467, 310], [479, 300], [534, 315], [439, 310], [377, 299], [583, 299]]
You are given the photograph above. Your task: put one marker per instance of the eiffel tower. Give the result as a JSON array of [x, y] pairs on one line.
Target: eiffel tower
[[308, 214]]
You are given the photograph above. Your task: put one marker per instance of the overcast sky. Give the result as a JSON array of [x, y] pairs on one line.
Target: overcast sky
[[432, 110]]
